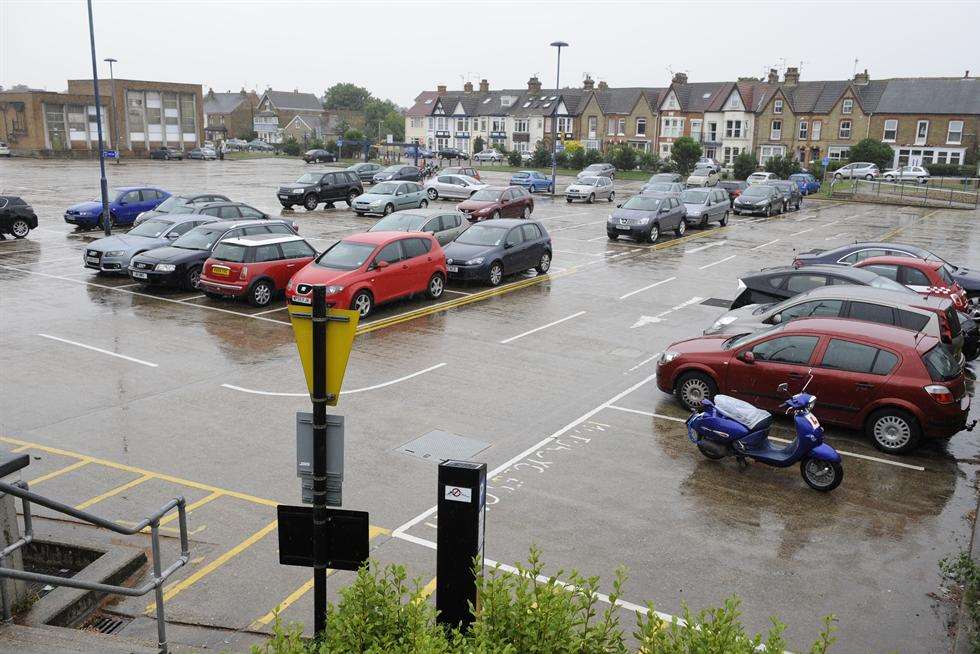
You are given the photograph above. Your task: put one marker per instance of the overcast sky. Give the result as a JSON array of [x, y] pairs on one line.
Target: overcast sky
[[397, 49]]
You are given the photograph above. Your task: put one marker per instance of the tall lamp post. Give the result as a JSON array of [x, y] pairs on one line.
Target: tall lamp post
[[106, 219], [114, 133], [554, 118]]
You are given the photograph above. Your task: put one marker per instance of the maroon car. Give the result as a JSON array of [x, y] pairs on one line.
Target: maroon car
[[498, 202], [895, 384]]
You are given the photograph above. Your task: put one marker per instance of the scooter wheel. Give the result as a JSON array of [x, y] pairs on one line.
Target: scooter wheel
[[821, 475], [714, 456]]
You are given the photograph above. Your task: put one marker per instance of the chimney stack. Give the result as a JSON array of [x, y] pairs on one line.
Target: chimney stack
[[534, 85], [468, 87], [484, 86], [680, 78], [862, 79], [589, 83], [603, 86], [792, 76], [773, 77], [441, 89]]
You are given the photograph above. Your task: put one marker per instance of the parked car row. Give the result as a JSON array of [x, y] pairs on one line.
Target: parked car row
[[877, 326]]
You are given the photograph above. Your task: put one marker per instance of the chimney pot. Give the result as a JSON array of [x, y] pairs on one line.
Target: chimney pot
[[468, 87], [603, 86], [773, 77], [680, 78], [589, 83], [441, 89], [534, 85], [862, 78], [792, 76], [484, 86]]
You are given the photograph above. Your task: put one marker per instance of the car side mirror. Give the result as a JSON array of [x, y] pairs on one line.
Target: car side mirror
[[776, 319], [381, 265], [783, 389], [172, 235], [619, 206], [747, 356], [508, 246]]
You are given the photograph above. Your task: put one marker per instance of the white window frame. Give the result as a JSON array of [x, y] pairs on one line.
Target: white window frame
[[564, 124], [522, 125], [891, 125], [804, 130], [775, 133], [611, 127], [733, 129], [621, 127], [842, 132], [838, 152], [921, 140], [815, 130], [696, 129], [713, 131], [950, 132], [847, 106], [777, 107], [641, 123], [767, 152]]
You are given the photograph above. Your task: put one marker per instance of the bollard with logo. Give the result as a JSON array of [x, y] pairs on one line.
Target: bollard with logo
[[462, 506]]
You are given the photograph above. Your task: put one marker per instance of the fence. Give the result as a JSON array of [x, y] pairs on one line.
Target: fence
[[940, 192]]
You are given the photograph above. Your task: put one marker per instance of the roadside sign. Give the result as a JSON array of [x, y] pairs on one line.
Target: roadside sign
[[340, 143], [826, 161], [346, 544], [341, 329], [110, 154]]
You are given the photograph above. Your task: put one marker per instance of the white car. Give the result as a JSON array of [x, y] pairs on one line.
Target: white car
[[4, 150], [761, 178], [590, 189], [452, 186], [857, 170], [907, 173], [702, 176], [488, 155]]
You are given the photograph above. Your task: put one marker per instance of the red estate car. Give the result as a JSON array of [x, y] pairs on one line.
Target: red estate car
[[498, 202], [364, 270], [257, 267], [926, 277], [893, 383]]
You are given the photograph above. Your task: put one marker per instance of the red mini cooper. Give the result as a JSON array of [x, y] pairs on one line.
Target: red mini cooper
[[256, 267], [924, 276]]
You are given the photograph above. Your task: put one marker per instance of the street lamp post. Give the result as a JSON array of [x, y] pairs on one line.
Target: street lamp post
[[114, 133], [106, 218], [554, 118]]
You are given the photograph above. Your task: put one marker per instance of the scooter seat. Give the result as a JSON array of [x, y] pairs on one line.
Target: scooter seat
[[752, 418]]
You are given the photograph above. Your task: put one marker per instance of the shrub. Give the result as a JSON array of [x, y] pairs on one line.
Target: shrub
[[668, 166], [592, 157], [817, 170], [685, 152], [623, 157], [873, 151], [478, 144], [650, 162], [541, 157], [744, 165], [331, 146], [783, 167], [948, 170], [964, 572], [576, 158], [514, 158], [561, 159], [834, 165], [291, 146]]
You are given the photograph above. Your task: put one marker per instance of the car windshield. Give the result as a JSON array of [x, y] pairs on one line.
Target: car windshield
[[702, 172], [150, 228], [385, 188], [888, 284], [199, 238], [741, 339], [393, 169], [401, 221], [486, 195], [183, 208], [483, 235], [170, 203], [593, 168], [312, 151], [694, 197], [752, 191], [308, 178], [522, 175], [941, 363], [642, 203], [229, 252], [588, 181], [345, 255], [662, 187]]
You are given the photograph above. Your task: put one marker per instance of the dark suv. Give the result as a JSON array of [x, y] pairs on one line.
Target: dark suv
[[452, 153], [327, 187], [166, 153], [319, 155]]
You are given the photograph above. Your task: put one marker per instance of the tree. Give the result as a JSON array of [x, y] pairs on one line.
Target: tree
[[514, 158], [623, 157], [346, 95], [561, 159], [576, 158], [291, 146], [873, 151], [541, 157], [383, 114], [685, 152], [478, 144], [783, 167], [744, 165], [650, 162], [592, 157]]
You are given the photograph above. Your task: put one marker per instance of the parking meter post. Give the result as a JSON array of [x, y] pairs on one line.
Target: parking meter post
[[462, 500], [319, 458]]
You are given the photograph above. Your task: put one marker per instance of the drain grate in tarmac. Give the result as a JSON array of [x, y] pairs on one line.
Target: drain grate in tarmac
[[717, 302], [105, 623], [437, 446]]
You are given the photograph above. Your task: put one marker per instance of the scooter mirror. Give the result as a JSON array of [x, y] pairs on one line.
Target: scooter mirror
[[783, 389]]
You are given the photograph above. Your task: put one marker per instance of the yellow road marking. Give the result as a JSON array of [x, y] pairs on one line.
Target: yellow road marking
[[901, 228], [22, 448], [184, 584], [428, 589], [115, 491], [305, 588], [172, 531], [190, 507], [60, 471]]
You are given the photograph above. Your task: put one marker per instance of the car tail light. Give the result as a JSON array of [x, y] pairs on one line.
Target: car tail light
[[296, 227], [243, 275], [797, 263], [940, 394]]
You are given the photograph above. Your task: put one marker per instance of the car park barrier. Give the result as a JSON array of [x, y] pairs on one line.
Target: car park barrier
[[160, 576]]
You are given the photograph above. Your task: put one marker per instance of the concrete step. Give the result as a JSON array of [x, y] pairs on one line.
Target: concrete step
[[48, 639]]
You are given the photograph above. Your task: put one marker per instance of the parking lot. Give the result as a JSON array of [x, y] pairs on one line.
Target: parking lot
[[125, 397]]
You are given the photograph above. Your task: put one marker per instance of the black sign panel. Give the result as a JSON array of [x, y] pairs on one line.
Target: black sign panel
[[346, 537]]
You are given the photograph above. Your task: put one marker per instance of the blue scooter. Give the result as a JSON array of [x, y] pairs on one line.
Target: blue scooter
[[730, 427]]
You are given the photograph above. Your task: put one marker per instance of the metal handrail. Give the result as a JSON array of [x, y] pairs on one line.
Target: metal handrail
[[20, 489]]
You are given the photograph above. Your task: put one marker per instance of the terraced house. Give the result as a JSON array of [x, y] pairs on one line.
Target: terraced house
[[682, 110]]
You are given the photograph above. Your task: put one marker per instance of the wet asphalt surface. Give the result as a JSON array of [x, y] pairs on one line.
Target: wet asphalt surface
[[581, 468]]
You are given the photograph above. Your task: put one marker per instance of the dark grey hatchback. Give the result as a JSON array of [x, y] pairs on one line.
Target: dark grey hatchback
[[493, 248], [646, 216]]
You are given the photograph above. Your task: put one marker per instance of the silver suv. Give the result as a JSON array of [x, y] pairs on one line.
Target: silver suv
[[857, 170]]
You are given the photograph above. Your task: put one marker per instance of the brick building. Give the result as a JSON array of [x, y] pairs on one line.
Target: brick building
[[46, 123], [229, 115]]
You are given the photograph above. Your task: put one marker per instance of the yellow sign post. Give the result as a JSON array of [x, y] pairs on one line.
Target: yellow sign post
[[340, 339]]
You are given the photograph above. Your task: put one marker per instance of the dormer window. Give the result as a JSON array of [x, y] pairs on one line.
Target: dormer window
[[848, 106], [777, 107]]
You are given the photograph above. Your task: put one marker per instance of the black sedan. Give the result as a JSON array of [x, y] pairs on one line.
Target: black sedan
[[398, 173], [16, 217], [365, 171], [790, 192], [777, 284], [759, 198], [452, 153], [167, 153], [179, 265], [491, 249], [849, 255], [319, 155]]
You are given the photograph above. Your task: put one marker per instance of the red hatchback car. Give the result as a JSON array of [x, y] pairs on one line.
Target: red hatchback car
[[365, 270], [497, 202], [256, 267], [895, 384], [926, 277]]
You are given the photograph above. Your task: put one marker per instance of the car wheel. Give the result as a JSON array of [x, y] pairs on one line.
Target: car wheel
[[869, 177], [362, 303], [192, 277], [838, 176], [893, 430], [568, 200], [692, 387], [526, 212], [310, 202], [889, 178], [388, 209], [821, 475], [423, 204], [19, 228], [704, 222], [681, 228], [496, 273], [496, 215], [544, 264], [612, 196], [432, 193], [261, 294], [359, 213], [724, 219], [654, 234], [768, 210], [350, 198], [437, 284], [612, 236], [591, 198]]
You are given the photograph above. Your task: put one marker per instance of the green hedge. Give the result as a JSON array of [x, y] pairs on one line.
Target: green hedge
[[381, 612], [949, 170]]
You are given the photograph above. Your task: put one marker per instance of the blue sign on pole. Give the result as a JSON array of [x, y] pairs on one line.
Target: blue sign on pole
[[110, 154], [340, 143], [826, 161]]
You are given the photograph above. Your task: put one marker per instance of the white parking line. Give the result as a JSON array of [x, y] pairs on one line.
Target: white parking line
[[98, 349], [759, 247], [262, 313], [804, 231], [703, 247], [717, 262], [350, 392], [560, 229], [642, 363], [781, 440], [449, 290], [586, 254], [836, 236], [537, 329], [646, 320], [646, 288]]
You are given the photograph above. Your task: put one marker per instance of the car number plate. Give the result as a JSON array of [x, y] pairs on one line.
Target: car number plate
[[139, 275], [299, 299], [452, 269], [92, 259], [625, 228], [283, 196], [220, 270]]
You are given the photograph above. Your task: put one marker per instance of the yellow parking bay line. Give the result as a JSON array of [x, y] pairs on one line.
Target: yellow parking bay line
[[290, 599], [176, 589], [429, 588], [115, 491], [60, 471]]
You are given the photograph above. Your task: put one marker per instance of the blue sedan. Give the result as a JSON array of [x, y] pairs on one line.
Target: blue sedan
[[532, 180], [808, 183], [125, 203]]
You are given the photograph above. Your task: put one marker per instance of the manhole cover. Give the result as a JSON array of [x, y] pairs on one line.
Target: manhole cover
[[105, 623], [438, 445], [717, 302]]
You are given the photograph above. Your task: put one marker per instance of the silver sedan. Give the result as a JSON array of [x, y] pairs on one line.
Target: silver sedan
[[590, 189], [459, 187]]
